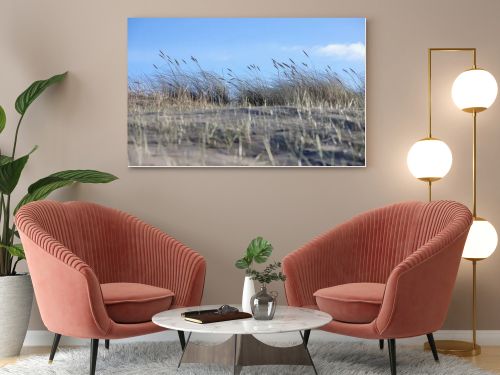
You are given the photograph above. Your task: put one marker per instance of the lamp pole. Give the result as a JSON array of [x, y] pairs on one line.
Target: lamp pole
[[475, 347], [429, 96], [454, 347], [474, 165]]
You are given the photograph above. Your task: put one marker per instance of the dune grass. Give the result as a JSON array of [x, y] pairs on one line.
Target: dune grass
[[296, 115]]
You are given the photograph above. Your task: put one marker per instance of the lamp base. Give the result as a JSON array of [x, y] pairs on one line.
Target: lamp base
[[456, 348]]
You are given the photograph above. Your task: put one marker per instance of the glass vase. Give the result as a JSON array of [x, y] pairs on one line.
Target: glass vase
[[263, 304]]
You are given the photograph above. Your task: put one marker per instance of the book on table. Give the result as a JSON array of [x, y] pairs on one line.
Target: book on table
[[213, 316]]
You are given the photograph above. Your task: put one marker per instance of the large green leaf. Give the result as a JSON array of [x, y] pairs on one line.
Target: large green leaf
[[86, 176], [42, 193], [3, 119], [10, 172], [43, 187], [15, 250], [29, 95]]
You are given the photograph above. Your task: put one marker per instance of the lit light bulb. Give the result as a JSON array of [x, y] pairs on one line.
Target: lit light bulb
[[474, 90], [481, 241], [429, 159]]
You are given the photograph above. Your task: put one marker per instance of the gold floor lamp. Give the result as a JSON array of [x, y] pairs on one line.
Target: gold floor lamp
[[430, 159]]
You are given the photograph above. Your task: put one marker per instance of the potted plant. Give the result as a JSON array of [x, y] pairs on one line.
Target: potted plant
[[16, 291], [258, 251]]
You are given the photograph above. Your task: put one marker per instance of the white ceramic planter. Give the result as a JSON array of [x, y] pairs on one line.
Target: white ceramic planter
[[16, 298], [248, 292]]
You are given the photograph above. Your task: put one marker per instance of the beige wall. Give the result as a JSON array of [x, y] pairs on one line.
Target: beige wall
[[82, 124]]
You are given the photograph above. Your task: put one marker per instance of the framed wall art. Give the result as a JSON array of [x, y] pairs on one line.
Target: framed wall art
[[252, 92]]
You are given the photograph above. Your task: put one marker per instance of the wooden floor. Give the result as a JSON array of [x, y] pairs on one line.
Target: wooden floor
[[488, 360]]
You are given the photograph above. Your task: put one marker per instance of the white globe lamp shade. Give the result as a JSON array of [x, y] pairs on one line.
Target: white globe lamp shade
[[429, 159], [474, 90], [481, 241]]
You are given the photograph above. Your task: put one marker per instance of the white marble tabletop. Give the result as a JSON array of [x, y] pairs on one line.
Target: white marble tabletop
[[286, 319]]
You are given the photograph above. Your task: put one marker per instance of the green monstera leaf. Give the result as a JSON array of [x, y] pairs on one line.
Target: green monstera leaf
[[259, 250], [242, 263]]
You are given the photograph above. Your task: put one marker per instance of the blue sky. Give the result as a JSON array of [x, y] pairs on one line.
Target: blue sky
[[235, 43]]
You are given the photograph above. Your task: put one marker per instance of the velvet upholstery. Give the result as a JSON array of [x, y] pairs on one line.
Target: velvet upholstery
[[414, 248], [133, 302], [74, 247], [351, 303]]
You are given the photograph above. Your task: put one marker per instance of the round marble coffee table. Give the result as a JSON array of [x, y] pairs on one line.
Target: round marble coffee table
[[242, 348]]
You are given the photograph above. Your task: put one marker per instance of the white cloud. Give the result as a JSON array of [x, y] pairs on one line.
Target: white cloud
[[353, 51]]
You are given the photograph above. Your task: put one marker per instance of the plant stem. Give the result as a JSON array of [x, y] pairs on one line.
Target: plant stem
[[5, 206], [15, 137], [3, 255], [5, 235], [11, 239], [12, 234], [13, 271], [3, 251]]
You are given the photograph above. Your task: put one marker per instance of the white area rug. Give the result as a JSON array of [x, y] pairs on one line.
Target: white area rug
[[161, 358]]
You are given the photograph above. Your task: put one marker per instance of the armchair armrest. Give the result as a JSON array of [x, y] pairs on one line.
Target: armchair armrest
[[419, 289], [68, 292]]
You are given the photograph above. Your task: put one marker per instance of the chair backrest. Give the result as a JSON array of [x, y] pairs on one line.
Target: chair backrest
[[94, 233], [379, 242], [386, 236]]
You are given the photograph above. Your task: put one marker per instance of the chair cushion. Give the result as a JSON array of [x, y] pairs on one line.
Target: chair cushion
[[351, 303], [135, 303]]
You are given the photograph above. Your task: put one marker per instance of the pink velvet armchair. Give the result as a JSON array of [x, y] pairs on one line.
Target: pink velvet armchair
[[99, 273], [385, 274]]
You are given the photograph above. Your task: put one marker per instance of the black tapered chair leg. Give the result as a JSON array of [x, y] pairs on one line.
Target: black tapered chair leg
[[106, 344], [392, 355], [55, 344], [432, 344], [94, 346], [307, 333], [381, 344], [182, 339]]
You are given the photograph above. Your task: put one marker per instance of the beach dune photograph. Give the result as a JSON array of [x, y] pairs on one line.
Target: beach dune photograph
[[255, 92]]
